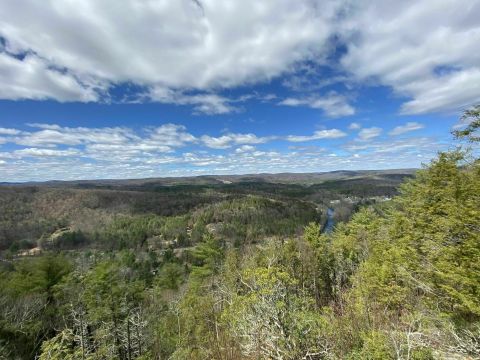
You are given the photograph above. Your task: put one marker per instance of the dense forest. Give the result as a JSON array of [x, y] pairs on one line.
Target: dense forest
[[84, 212], [244, 270]]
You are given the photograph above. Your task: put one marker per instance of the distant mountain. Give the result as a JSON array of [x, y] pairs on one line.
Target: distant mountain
[[287, 178]]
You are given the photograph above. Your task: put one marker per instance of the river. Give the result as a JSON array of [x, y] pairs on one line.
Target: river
[[329, 225]]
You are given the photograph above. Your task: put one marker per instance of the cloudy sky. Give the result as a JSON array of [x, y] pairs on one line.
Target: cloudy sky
[[143, 88]]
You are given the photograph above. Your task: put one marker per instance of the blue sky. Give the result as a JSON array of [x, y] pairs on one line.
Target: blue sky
[[107, 89]]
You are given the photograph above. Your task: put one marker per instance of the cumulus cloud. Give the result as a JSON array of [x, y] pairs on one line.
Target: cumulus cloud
[[333, 104], [425, 146], [35, 152], [354, 126], [51, 151], [163, 139], [174, 44], [187, 52], [367, 134], [406, 153], [245, 149], [317, 135], [171, 150], [125, 143], [427, 50], [151, 145], [52, 135], [6, 131], [409, 126], [33, 78], [172, 135], [455, 91], [231, 139], [206, 103], [309, 77]]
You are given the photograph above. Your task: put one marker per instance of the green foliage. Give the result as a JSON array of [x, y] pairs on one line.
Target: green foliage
[[60, 347], [170, 276], [444, 232], [207, 257], [374, 347], [28, 298]]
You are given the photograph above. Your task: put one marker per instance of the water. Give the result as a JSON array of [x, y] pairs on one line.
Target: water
[[329, 225]]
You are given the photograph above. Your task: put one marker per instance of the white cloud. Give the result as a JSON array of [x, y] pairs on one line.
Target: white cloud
[[354, 126], [51, 135], [317, 135], [308, 77], [36, 152], [369, 133], [427, 50], [409, 126], [415, 145], [126, 144], [150, 147], [205, 103], [173, 44], [6, 131], [231, 139], [163, 139], [245, 149], [33, 78], [333, 104], [197, 163], [116, 143], [172, 135], [171, 150], [454, 91]]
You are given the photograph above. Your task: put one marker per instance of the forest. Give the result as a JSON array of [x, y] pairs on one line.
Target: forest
[[244, 270]]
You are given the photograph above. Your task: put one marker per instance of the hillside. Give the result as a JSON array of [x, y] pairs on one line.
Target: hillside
[[29, 212]]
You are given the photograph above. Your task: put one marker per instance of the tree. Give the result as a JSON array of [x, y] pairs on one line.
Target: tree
[[28, 298], [472, 118], [207, 256]]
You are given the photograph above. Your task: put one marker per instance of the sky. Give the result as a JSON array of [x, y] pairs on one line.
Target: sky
[[96, 89]]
